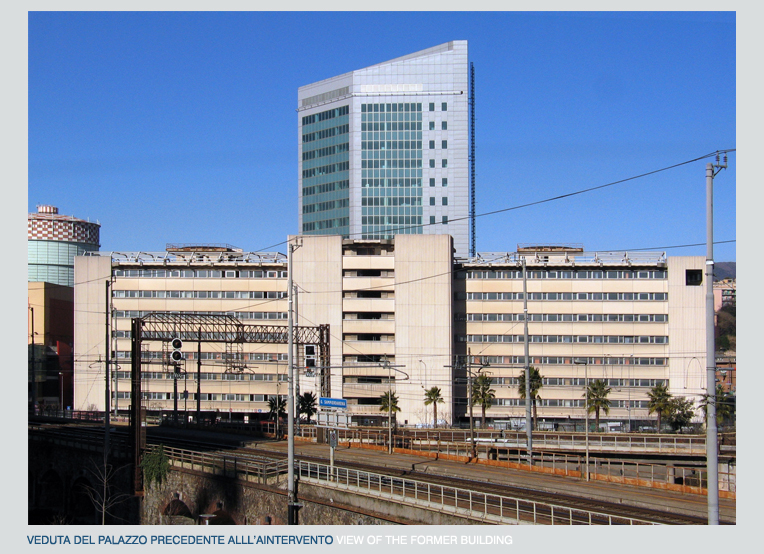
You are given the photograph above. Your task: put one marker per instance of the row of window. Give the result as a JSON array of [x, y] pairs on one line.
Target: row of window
[[391, 182], [325, 206], [443, 220], [598, 296], [326, 187], [125, 395], [326, 133], [595, 339], [581, 382], [443, 144], [325, 224], [129, 314], [199, 294], [206, 376], [326, 151], [391, 164], [443, 181], [393, 146], [391, 126], [325, 169], [391, 201], [323, 116], [564, 274], [443, 201], [611, 318], [392, 108], [567, 360], [443, 163], [391, 220], [200, 274], [567, 403]]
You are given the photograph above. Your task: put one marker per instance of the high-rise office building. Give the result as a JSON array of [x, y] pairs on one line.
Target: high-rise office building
[[384, 150]]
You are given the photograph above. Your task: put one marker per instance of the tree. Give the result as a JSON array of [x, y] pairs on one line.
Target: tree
[[536, 383], [104, 495], [306, 404], [276, 404], [659, 402], [433, 396], [388, 403], [725, 405], [596, 399], [482, 394], [681, 412]]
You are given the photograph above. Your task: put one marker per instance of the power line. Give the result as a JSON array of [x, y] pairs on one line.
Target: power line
[[544, 201]]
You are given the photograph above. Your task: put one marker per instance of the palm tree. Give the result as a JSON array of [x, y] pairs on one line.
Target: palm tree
[[306, 404], [276, 404], [536, 384], [482, 394], [724, 405], [389, 402], [596, 399], [659, 402], [433, 396]]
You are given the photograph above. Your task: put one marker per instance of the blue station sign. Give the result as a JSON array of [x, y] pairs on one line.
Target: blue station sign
[[332, 402]]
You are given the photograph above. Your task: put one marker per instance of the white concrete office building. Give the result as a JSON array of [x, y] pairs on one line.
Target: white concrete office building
[[635, 320], [384, 150]]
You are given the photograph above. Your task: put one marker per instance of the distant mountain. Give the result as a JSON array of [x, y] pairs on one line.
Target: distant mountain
[[724, 270]]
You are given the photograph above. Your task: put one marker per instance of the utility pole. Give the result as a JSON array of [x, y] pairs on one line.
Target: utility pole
[[712, 460], [390, 369], [107, 408], [292, 506], [528, 413], [33, 377], [107, 394], [585, 363], [473, 453], [199, 378], [297, 374]]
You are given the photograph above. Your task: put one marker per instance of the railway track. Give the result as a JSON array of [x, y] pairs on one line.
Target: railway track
[[527, 498]]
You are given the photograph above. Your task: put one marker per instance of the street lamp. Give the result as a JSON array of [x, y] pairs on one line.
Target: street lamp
[[585, 363]]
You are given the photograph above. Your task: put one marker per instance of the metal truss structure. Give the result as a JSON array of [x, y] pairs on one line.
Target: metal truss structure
[[206, 328]]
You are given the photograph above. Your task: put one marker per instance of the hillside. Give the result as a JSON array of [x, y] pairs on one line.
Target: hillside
[[724, 270]]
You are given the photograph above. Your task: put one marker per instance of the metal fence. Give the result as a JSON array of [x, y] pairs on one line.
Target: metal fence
[[480, 506]]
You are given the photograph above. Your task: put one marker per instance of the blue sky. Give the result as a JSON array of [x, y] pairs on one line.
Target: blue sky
[[181, 127]]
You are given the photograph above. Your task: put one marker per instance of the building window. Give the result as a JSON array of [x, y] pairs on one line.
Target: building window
[[432, 106], [432, 220], [444, 182], [693, 277], [432, 200], [432, 181], [432, 145], [445, 200], [432, 163], [443, 163], [444, 107], [444, 125], [432, 125], [444, 144], [445, 219]]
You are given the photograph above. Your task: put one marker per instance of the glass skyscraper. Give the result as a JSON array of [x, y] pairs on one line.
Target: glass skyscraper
[[384, 149]]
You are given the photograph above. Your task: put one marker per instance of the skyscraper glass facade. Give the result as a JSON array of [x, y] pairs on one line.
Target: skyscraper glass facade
[[384, 150], [391, 169]]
